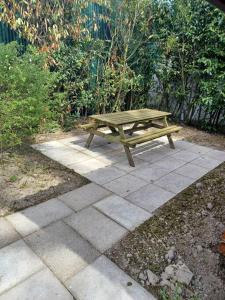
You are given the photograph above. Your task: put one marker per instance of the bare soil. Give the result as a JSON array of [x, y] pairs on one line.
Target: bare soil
[[27, 177], [192, 222]]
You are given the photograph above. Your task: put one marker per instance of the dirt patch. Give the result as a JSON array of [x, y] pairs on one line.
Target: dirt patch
[[27, 177], [192, 222], [203, 138]]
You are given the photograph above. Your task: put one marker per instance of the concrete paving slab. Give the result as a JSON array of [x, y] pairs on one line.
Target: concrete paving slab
[[7, 233], [216, 154], [170, 163], [40, 286], [88, 166], [98, 229], [104, 175], [124, 165], [206, 162], [17, 262], [185, 155], [122, 211], [84, 196], [62, 249], [150, 172], [199, 149], [125, 185], [103, 280], [68, 158], [174, 183], [99, 150], [150, 197], [49, 146], [38, 216], [157, 153], [74, 139], [151, 155], [192, 171], [65, 155], [183, 145], [112, 158]]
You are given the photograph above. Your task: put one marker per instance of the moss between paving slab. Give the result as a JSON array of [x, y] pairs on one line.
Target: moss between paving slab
[[193, 226], [27, 177]]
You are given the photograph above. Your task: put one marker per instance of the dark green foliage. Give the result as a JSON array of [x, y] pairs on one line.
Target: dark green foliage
[[190, 39], [25, 85]]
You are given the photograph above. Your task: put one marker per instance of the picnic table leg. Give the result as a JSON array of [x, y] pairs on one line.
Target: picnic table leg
[[126, 148], [91, 136], [172, 146], [129, 156], [89, 140]]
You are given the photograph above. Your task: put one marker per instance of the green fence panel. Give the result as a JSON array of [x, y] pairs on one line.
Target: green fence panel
[[8, 35]]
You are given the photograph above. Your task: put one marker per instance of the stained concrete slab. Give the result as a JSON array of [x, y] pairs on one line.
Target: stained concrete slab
[[170, 163], [150, 197], [40, 286], [206, 162], [216, 154], [84, 196], [124, 165], [7, 233], [125, 185], [122, 211], [38, 216], [150, 172], [103, 280], [155, 154], [105, 175], [192, 171], [49, 146], [174, 183], [185, 155], [98, 229], [62, 249], [89, 165], [183, 145], [17, 262], [199, 149]]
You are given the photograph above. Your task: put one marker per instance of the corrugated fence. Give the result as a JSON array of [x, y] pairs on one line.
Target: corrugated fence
[[8, 35]]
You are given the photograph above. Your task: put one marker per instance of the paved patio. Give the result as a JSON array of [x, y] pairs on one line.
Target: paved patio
[[55, 250]]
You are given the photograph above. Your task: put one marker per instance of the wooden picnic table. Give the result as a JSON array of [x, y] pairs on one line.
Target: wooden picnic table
[[135, 120]]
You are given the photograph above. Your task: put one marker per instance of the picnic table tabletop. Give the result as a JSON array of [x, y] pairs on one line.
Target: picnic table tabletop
[[130, 116]]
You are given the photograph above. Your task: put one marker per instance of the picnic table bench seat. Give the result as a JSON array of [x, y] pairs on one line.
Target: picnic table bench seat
[[86, 126], [133, 141], [89, 126]]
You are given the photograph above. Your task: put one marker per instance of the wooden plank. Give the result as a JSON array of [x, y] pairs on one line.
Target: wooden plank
[[129, 156], [90, 126], [127, 117], [150, 136]]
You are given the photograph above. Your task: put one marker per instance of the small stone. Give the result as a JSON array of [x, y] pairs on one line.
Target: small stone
[[204, 213], [198, 185], [209, 206], [183, 274], [199, 248], [134, 270], [129, 283], [142, 276], [170, 271], [165, 282], [164, 276], [129, 255], [152, 278], [171, 254], [142, 282]]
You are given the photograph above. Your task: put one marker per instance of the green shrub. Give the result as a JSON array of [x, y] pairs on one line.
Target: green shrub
[[25, 88]]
